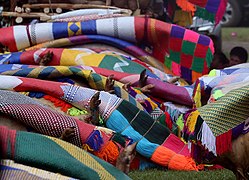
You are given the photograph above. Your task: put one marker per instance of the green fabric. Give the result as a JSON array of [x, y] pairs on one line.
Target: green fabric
[[168, 62], [175, 56], [37, 151], [204, 14], [55, 155], [127, 66], [198, 64], [209, 57], [188, 47], [142, 124]]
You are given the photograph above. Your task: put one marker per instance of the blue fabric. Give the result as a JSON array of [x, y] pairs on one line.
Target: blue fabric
[[119, 123]]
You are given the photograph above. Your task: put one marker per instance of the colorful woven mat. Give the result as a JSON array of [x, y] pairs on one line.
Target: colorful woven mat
[[153, 138], [217, 124], [9, 170], [54, 155], [187, 53]]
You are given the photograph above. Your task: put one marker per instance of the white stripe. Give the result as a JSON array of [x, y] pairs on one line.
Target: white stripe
[[105, 27], [9, 82], [21, 37], [43, 32], [126, 28]]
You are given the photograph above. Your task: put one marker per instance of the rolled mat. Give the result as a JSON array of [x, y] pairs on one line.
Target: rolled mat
[[54, 155], [185, 52]]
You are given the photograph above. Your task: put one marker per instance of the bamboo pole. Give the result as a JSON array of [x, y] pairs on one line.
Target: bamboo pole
[[67, 6], [23, 15]]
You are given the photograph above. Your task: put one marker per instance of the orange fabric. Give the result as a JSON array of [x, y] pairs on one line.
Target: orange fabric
[[108, 153], [167, 157], [185, 5], [58, 103], [195, 75]]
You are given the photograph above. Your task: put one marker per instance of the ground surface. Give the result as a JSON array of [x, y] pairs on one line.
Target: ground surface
[[232, 37], [180, 175]]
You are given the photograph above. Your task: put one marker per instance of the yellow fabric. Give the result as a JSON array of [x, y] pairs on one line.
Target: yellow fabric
[[183, 18], [77, 57], [191, 121], [34, 171], [197, 96], [84, 158]]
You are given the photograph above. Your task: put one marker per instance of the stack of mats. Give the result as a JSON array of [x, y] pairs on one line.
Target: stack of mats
[[185, 52], [155, 142]]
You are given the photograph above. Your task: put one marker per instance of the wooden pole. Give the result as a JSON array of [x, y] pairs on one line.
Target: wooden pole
[[67, 6], [24, 15]]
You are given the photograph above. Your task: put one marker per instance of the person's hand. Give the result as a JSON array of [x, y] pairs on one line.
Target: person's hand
[[147, 88], [95, 101], [174, 79], [68, 133], [143, 78], [109, 85], [127, 86], [46, 58]]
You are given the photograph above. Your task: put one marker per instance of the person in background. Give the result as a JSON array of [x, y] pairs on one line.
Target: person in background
[[238, 55], [220, 61]]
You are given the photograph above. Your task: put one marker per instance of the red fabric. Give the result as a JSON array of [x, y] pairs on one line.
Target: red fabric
[[201, 3], [175, 44], [27, 57], [168, 120], [3, 140], [37, 85], [205, 68], [105, 72], [135, 164], [224, 142], [139, 28], [175, 144], [186, 60], [7, 38], [200, 51]]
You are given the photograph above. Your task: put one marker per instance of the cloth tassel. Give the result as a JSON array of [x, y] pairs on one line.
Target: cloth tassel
[[58, 103], [207, 138], [174, 161], [76, 112], [95, 140]]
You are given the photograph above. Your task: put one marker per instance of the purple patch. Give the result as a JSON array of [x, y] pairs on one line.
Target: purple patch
[[177, 32], [237, 130], [186, 74], [204, 40], [79, 39], [212, 6]]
